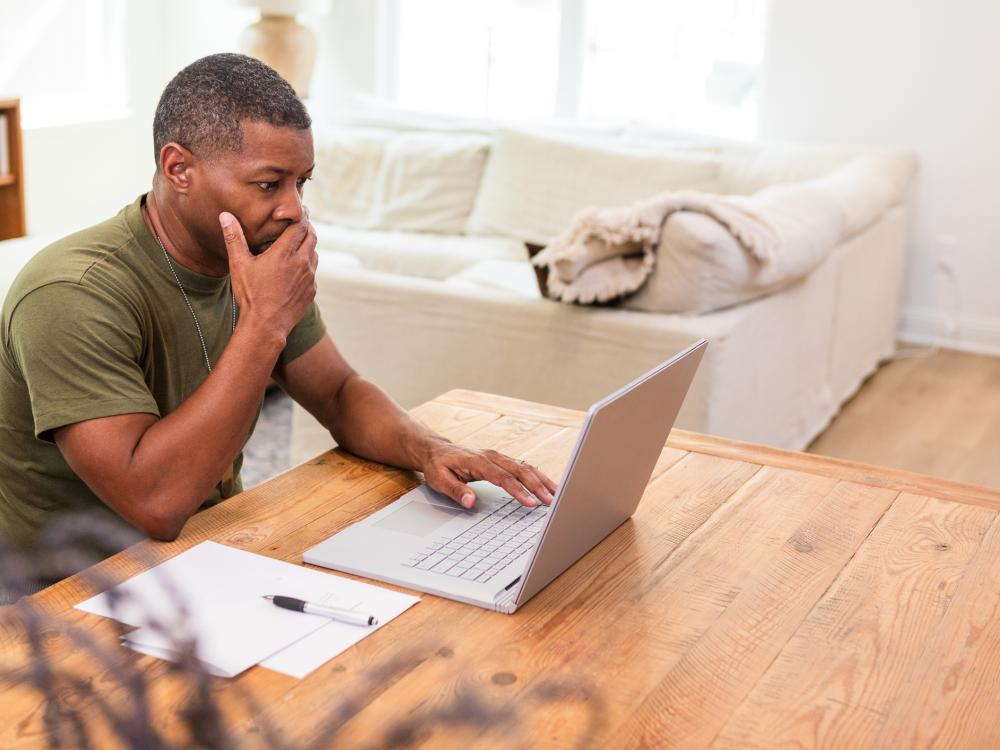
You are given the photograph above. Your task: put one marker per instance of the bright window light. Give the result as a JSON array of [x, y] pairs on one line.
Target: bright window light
[[66, 59], [663, 63], [483, 58], [674, 63]]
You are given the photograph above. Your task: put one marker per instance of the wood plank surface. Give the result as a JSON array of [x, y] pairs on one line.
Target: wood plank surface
[[932, 411], [841, 673], [952, 694], [757, 598]]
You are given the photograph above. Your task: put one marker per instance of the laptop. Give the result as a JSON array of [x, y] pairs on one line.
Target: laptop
[[499, 553]]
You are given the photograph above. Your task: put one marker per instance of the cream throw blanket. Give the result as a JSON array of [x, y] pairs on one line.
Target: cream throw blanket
[[610, 252]]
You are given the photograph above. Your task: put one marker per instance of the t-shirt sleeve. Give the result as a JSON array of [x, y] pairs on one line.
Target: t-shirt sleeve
[[79, 352], [306, 334]]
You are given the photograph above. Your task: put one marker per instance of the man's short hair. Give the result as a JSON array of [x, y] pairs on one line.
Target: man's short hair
[[204, 104]]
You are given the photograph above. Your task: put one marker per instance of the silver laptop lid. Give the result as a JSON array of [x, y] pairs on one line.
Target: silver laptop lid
[[621, 440]]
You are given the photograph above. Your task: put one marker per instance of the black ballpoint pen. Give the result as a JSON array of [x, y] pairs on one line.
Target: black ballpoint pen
[[348, 616]]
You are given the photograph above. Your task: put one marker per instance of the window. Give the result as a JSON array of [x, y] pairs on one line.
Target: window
[[476, 57], [66, 60], [668, 63], [674, 63]]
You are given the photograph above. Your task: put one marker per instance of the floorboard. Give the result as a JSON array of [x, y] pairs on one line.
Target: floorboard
[[936, 412]]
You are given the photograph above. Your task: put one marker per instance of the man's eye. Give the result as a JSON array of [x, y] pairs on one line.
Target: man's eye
[[268, 187]]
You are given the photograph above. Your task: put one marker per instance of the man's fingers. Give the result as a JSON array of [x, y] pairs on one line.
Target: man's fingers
[[290, 240], [308, 248], [535, 481], [458, 491], [496, 474], [526, 474], [232, 233]]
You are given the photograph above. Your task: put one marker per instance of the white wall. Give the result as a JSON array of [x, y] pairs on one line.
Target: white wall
[[919, 74], [79, 174]]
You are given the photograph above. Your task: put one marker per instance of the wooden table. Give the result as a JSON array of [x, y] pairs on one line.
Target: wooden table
[[758, 598]]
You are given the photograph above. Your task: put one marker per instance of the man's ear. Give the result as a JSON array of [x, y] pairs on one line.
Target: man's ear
[[175, 165]]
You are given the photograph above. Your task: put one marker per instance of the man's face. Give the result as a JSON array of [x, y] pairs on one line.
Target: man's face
[[261, 185]]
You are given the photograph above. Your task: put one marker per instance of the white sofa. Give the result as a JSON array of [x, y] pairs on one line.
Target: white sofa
[[425, 289], [421, 306]]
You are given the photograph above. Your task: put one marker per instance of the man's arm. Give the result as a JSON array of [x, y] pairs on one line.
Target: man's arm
[[157, 472], [367, 422]]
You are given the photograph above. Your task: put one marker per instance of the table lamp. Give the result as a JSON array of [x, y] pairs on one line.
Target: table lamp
[[279, 40]]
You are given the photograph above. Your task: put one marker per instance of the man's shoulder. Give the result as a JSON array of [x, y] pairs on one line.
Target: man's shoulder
[[74, 256], [85, 256]]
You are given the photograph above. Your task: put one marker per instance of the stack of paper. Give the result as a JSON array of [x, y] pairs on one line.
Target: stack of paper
[[213, 594]]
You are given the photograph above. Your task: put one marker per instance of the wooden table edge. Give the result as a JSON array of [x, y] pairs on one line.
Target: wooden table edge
[[900, 480]]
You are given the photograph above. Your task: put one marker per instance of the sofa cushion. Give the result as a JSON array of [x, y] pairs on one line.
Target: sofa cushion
[[330, 261], [345, 179], [515, 277], [380, 179], [428, 183], [747, 170], [868, 185], [434, 256], [533, 186]]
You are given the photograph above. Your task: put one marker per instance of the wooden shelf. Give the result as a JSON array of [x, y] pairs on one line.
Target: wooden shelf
[[12, 213]]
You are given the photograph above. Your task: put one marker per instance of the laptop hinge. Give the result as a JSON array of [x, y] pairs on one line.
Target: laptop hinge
[[505, 600]]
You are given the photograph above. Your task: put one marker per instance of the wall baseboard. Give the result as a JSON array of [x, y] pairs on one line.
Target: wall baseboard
[[971, 333]]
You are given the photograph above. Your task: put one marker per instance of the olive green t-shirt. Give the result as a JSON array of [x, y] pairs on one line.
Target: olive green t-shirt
[[95, 326]]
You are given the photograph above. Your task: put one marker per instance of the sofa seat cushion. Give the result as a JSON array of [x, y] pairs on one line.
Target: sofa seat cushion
[[433, 256], [514, 277], [331, 261]]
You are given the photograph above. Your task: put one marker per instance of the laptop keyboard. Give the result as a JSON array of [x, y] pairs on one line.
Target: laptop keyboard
[[482, 550]]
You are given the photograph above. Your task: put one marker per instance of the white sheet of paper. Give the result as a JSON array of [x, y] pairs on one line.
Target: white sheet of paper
[[317, 648], [222, 590]]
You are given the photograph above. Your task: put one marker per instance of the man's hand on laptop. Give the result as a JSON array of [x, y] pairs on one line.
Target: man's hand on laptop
[[449, 466]]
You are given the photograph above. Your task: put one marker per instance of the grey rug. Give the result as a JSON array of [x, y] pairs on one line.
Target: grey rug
[[269, 451]]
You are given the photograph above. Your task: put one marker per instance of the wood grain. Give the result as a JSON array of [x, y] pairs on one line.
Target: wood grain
[[936, 412], [952, 694], [837, 678], [757, 598]]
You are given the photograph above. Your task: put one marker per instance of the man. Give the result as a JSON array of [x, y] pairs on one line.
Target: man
[[135, 353]]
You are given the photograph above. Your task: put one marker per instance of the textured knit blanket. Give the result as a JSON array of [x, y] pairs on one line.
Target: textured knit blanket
[[607, 253]]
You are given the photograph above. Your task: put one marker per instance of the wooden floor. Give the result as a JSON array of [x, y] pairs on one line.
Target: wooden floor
[[936, 414]]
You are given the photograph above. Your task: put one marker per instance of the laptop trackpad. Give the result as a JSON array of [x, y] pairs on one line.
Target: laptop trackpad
[[417, 518]]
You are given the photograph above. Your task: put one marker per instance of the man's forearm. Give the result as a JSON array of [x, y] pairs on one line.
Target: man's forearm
[[367, 422], [182, 456]]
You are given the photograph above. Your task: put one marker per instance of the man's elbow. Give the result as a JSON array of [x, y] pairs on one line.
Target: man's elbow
[[161, 525], [163, 532]]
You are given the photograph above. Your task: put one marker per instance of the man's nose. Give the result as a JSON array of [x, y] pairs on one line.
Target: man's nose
[[290, 208]]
